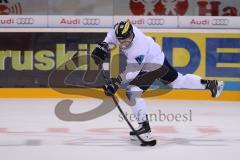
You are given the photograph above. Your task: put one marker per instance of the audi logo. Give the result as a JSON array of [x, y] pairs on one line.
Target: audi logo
[[91, 21], [25, 21], [220, 22], [157, 21]]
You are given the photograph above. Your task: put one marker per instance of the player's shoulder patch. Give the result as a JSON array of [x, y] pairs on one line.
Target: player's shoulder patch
[[139, 59]]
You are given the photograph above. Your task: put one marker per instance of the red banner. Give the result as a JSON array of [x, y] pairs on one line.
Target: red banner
[[179, 7]]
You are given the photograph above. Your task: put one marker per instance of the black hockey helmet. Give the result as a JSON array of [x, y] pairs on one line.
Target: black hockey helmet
[[124, 33], [124, 30]]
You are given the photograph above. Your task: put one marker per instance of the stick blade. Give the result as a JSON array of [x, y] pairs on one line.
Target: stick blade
[[149, 143]]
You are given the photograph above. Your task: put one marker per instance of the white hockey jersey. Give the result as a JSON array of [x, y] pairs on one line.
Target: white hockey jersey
[[142, 55]]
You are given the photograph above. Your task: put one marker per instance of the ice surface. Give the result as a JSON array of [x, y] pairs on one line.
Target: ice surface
[[30, 129]]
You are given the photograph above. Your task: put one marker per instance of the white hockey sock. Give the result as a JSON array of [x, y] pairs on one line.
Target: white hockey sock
[[140, 110], [188, 81]]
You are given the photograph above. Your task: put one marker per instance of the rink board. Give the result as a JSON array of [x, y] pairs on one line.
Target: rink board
[[211, 54]]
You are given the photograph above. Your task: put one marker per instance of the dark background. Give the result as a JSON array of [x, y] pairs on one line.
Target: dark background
[[45, 41]]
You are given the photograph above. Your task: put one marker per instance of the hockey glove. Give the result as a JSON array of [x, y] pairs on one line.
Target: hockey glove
[[100, 53], [112, 86]]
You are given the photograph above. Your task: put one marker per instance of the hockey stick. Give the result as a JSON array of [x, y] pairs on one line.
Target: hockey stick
[[143, 142]]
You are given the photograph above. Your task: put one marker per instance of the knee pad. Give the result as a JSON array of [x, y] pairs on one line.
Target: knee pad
[[132, 93]]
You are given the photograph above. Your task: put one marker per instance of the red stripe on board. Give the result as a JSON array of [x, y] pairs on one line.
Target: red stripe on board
[[109, 130], [208, 129], [3, 130], [58, 130], [165, 129]]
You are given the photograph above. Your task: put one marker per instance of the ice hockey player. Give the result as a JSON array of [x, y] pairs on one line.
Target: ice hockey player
[[146, 62]]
